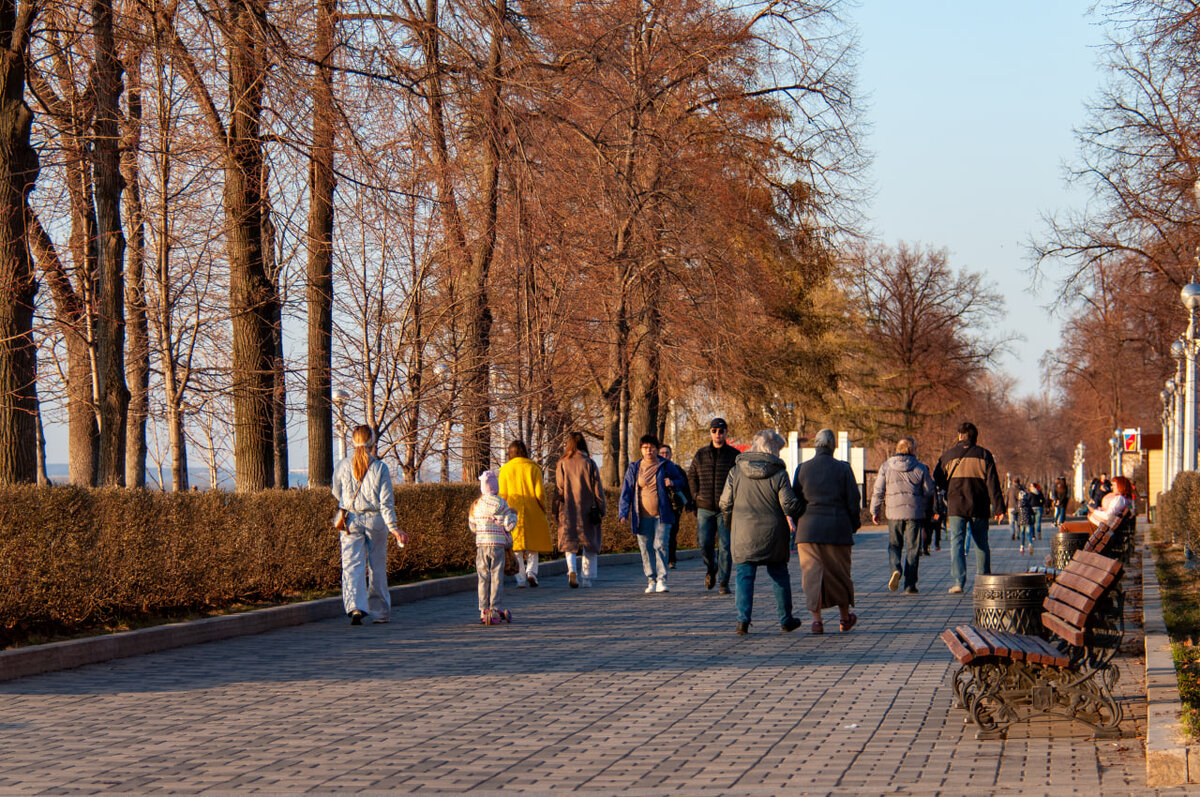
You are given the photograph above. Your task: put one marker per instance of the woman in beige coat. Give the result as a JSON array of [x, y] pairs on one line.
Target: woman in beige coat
[[521, 487], [580, 506]]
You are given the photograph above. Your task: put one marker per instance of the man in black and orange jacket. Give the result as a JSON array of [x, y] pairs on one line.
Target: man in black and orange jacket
[[966, 472]]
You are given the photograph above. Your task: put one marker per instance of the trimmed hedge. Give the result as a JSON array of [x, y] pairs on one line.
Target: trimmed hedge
[[1179, 510], [74, 559]]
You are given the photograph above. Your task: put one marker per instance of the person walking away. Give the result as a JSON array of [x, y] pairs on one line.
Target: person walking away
[[1061, 497], [580, 506], [829, 517], [680, 500], [646, 506], [362, 485], [522, 489], [706, 477], [759, 503], [933, 530], [1037, 502], [1010, 500], [967, 473], [905, 491], [1025, 519], [492, 521]]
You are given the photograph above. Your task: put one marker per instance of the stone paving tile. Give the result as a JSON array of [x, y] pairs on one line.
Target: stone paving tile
[[602, 690]]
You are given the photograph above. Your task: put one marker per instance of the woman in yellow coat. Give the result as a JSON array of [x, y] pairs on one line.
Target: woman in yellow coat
[[521, 487]]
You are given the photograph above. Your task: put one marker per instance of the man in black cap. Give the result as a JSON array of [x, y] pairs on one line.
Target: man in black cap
[[706, 478]]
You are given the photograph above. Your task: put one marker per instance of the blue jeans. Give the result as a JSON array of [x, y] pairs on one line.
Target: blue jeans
[[957, 528], [713, 537], [904, 536], [781, 583], [1024, 534], [1060, 516], [1037, 522], [653, 539], [1012, 520]]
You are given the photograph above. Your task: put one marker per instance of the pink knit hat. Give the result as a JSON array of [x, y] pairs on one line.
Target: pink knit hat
[[488, 483]]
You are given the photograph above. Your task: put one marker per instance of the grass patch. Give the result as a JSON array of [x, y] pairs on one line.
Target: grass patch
[[1181, 611]]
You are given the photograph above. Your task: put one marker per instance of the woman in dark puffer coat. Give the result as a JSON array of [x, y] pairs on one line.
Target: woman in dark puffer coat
[[829, 505]]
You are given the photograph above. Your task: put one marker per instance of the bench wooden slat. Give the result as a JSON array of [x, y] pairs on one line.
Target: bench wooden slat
[[1031, 648], [1049, 653], [957, 648], [1064, 594], [1036, 652], [1058, 658], [978, 644], [1086, 571], [1066, 612], [1071, 633], [1099, 561], [1098, 541], [995, 642], [1080, 584], [1018, 647]]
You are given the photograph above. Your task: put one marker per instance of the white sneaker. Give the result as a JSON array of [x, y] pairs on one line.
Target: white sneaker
[[661, 586], [587, 582], [650, 587], [1022, 549]]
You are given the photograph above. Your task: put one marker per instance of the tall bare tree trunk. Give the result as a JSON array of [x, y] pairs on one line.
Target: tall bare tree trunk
[[252, 296], [322, 184], [613, 394], [137, 367], [110, 339], [18, 285], [43, 478], [82, 449], [473, 262], [652, 345], [278, 366]]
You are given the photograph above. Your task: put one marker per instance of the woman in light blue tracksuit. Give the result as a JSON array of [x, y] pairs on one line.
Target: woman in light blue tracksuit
[[362, 486]]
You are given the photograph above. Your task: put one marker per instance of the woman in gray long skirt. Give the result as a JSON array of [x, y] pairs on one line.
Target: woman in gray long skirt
[[826, 490]]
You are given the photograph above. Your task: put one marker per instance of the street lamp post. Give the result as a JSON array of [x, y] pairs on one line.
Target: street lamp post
[[1177, 352], [340, 397], [1165, 395], [1190, 296]]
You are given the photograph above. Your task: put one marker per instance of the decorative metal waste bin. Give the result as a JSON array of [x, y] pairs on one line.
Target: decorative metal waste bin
[[1064, 546], [1010, 602]]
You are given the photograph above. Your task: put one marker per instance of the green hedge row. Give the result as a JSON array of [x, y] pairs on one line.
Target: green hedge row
[[1178, 512], [74, 559]]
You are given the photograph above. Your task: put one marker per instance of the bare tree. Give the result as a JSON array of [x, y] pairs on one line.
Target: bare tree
[[926, 333], [18, 286]]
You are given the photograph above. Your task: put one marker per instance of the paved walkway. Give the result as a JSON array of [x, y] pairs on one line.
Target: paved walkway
[[602, 690]]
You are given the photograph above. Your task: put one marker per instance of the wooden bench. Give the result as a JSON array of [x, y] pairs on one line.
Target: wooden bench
[[1098, 542], [1007, 678]]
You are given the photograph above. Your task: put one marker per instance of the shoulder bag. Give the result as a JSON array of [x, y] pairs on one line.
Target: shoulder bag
[[339, 517]]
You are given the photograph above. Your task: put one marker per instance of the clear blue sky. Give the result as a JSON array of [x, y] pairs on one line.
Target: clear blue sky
[[972, 107]]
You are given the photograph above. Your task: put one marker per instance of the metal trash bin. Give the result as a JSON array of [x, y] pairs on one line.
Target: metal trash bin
[[1011, 602]]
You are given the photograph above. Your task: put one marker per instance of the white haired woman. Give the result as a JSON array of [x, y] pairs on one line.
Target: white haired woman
[[829, 516], [759, 503], [362, 486]]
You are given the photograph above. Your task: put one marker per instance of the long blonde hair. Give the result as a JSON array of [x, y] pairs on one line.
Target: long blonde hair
[[364, 438]]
